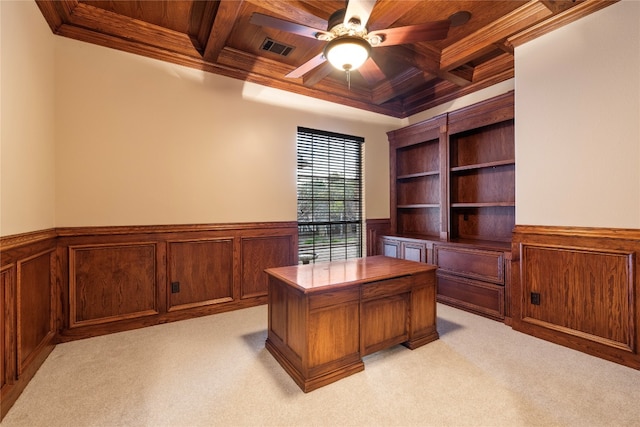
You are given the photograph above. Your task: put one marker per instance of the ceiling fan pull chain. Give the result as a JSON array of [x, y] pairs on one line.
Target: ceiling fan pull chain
[[348, 79]]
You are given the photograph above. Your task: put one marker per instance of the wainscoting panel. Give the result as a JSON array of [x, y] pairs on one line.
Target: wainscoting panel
[[71, 283], [258, 254], [200, 273], [111, 282], [376, 228], [28, 308], [7, 333], [581, 292], [35, 300], [122, 278], [579, 287]]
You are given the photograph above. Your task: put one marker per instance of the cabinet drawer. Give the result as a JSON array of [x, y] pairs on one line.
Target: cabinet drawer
[[330, 298], [473, 295], [386, 288], [473, 263]]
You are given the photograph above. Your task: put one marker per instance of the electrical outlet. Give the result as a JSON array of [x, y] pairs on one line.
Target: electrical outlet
[[535, 298], [175, 287]]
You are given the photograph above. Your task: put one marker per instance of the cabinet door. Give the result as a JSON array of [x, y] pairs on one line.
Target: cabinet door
[[384, 313], [391, 248], [414, 251]]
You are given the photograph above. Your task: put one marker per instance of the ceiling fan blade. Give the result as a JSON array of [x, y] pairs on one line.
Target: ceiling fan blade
[[436, 30], [307, 66], [371, 72], [360, 10], [281, 24]]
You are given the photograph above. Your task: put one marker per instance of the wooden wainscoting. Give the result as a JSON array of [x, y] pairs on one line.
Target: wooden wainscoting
[[111, 282], [258, 254], [71, 283], [28, 307], [122, 278], [376, 228], [579, 287]]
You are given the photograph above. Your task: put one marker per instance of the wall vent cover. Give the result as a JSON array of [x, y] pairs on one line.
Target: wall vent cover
[[271, 45]]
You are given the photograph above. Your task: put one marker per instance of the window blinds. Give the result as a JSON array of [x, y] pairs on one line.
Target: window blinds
[[329, 182]]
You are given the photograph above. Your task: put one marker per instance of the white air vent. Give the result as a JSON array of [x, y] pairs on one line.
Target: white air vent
[[271, 45]]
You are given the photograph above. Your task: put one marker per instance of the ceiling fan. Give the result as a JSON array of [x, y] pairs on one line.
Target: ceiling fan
[[349, 42]]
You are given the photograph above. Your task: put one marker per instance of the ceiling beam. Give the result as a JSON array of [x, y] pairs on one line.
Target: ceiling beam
[[409, 79], [292, 11], [223, 23], [578, 11], [483, 40]]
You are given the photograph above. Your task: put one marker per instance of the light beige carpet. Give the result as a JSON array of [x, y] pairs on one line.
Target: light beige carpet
[[215, 371]]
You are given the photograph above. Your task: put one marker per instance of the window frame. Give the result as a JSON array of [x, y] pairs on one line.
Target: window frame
[[330, 195]]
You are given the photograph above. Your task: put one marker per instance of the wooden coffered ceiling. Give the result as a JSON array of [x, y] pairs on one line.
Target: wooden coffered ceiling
[[219, 37]]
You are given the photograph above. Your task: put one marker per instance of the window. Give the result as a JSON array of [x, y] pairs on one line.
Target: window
[[329, 195]]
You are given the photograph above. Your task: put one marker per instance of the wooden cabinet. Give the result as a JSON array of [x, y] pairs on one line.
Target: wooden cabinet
[[453, 201], [472, 278], [418, 250]]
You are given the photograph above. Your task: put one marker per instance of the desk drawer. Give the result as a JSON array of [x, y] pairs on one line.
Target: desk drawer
[[386, 287], [331, 298], [473, 263]]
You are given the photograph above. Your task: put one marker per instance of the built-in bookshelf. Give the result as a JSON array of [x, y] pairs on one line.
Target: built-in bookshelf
[[453, 202], [417, 185], [482, 183]]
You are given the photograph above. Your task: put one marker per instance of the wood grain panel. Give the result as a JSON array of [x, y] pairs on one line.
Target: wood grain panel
[[483, 145], [422, 313], [296, 318], [7, 329], [418, 158], [28, 329], [385, 322], [35, 309], [258, 254], [418, 190], [112, 282], [588, 284], [581, 292], [488, 185], [278, 310], [204, 270], [421, 221], [473, 295], [473, 263], [491, 223], [376, 228], [333, 333]]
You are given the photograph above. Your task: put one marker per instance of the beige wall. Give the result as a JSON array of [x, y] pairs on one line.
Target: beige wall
[[138, 141], [144, 142], [578, 122], [26, 119]]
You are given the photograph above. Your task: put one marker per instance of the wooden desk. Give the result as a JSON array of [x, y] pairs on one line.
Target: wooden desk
[[324, 317]]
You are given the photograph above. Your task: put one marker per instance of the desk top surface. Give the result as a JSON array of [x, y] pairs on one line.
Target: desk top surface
[[315, 277]]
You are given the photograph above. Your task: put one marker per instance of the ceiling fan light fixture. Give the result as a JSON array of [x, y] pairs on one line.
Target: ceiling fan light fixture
[[347, 53]]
